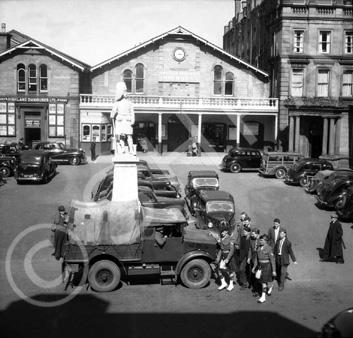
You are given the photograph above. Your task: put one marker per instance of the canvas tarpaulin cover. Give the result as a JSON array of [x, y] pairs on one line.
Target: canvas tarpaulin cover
[[105, 222]]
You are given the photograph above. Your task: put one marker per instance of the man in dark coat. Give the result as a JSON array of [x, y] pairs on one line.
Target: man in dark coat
[[334, 241], [282, 251], [93, 150], [273, 233]]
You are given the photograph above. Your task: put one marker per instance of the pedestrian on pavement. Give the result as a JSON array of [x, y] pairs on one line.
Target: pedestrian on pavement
[[283, 249], [273, 233], [244, 246], [93, 149], [334, 241], [60, 232], [265, 262], [224, 259], [254, 245]]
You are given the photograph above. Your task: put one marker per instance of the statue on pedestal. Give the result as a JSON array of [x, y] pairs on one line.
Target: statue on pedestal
[[123, 117]]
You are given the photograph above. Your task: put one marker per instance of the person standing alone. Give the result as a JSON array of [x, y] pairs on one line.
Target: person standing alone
[[93, 149], [334, 241]]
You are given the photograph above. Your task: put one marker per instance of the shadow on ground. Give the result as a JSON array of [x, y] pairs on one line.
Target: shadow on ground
[[87, 316]]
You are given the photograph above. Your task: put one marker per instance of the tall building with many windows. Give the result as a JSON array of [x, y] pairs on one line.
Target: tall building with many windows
[[307, 48]]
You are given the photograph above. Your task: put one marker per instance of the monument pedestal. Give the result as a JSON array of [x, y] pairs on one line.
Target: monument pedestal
[[125, 178]]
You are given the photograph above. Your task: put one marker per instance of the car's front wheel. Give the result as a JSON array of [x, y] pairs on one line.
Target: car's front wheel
[[104, 276], [74, 160], [280, 173], [6, 172], [196, 274], [303, 181], [45, 178], [235, 168]]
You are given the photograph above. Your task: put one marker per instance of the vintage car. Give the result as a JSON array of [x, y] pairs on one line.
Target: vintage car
[[344, 206], [277, 163], [103, 188], [60, 154], [212, 207], [340, 326], [149, 199], [199, 180], [329, 193], [35, 165], [10, 150], [7, 166], [312, 182], [241, 158], [297, 174]]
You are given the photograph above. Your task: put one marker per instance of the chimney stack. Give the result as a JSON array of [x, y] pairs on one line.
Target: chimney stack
[[5, 38]]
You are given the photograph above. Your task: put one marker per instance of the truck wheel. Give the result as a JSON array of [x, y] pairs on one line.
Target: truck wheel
[[235, 168], [196, 274], [104, 276], [280, 173], [6, 172]]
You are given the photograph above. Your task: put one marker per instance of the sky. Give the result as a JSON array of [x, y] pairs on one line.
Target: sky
[[93, 31]]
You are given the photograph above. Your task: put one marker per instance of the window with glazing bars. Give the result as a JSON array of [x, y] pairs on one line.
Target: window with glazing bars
[[298, 41]]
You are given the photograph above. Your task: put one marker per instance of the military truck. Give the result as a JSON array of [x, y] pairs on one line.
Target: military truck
[[110, 242]]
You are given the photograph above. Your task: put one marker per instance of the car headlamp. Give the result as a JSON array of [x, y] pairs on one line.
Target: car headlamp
[[210, 225]]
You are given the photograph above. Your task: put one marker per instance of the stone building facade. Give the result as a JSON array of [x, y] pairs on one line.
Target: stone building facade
[[307, 48], [39, 91], [183, 87]]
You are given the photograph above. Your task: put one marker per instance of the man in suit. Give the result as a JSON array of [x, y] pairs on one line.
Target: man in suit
[[273, 233], [282, 251], [334, 241]]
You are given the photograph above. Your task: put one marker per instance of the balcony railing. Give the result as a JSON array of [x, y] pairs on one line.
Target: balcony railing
[[178, 102]]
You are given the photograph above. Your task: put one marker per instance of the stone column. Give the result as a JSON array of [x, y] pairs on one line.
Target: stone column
[[338, 136], [199, 129], [297, 134], [291, 133], [160, 145], [332, 138], [238, 130], [324, 137]]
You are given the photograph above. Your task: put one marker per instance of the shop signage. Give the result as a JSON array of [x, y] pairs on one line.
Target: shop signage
[[32, 123], [95, 117], [33, 99], [179, 76]]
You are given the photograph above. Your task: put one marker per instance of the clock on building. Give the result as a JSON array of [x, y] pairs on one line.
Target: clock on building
[[179, 54]]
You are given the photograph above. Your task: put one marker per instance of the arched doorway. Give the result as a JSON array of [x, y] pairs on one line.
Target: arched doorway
[[178, 135]]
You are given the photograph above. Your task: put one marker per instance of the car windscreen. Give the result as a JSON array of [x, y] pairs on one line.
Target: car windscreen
[[219, 206], [205, 182], [35, 160]]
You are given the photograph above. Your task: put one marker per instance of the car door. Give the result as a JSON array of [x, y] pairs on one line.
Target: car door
[[56, 152], [255, 159]]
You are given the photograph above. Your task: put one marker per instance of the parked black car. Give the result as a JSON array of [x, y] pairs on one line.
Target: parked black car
[[10, 150], [7, 166], [103, 189], [330, 192], [60, 154], [148, 199], [344, 206], [35, 165], [297, 174], [212, 207], [199, 180], [241, 158]]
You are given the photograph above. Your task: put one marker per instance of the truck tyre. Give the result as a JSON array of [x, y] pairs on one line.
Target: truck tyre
[[280, 173], [235, 168], [104, 276], [196, 274]]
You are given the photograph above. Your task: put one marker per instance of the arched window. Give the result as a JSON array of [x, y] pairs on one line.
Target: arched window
[[21, 78], [229, 84], [140, 78], [43, 78], [217, 82], [127, 77], [32, 78]]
